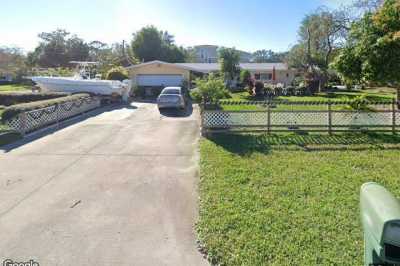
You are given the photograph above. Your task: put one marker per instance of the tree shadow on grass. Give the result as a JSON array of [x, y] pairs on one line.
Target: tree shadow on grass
[[246, 144], [241, 144]]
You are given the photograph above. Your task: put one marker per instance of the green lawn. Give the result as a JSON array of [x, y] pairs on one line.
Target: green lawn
[[373, 94], [290, 199], [15, 87]]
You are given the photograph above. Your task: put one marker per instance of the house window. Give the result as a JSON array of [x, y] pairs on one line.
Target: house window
[[263, 76]]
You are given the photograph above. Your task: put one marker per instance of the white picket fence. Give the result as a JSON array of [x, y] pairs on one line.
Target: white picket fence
[[32, 120], [271, 120]]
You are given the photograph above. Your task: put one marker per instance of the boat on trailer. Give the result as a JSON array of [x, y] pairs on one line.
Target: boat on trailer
[[83, 82]]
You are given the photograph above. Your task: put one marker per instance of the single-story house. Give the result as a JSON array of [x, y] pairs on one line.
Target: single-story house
[[161, 74]]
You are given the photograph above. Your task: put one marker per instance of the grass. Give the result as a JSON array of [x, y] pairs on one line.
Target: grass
[[290, 199], [15, 87], [372, 94]]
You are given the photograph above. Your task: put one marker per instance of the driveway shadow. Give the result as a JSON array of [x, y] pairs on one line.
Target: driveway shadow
[[48, 130]]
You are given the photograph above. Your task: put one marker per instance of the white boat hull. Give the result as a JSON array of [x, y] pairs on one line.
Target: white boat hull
[[71, 85]]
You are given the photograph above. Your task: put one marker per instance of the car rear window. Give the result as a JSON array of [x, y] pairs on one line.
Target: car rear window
[[169, 97], [171, 91]]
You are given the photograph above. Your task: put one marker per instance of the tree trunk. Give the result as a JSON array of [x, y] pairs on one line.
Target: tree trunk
[[308, 48]]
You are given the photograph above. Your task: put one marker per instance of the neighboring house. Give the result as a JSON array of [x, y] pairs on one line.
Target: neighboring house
[[156, 74], [206, 53], [6, 78], [209, 54]]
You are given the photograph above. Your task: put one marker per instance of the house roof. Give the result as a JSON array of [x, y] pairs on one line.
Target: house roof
[[201, 67], [161, 63], [207, 67], [210, 67]]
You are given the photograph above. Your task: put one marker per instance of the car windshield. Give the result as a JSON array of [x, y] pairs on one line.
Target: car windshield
[[171, 91]]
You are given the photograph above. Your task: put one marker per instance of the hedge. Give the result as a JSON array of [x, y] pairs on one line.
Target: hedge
[[11, 98], [14, 110]]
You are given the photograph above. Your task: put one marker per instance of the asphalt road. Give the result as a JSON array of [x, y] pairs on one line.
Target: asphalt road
[[118, 188]]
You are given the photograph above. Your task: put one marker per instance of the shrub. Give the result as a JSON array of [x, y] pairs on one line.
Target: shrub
[[195, 95], [349, 84], [290, 90], [117, 73], [359, 103], [298, 81], [10, 98], [269, 91], [250, 90], [138, 91], [259, 88], [14, 110], [300, 91], [245, 78], [210, 89]]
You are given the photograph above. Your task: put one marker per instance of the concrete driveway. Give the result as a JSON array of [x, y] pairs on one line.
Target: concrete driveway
[[119, 188]]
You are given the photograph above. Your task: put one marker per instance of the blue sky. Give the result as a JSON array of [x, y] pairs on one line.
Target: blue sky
[[245, 24]]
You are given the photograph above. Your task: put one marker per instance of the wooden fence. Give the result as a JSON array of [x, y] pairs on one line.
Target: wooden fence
[[329, 117]]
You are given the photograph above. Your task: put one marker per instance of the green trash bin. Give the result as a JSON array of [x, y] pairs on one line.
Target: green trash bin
[[380, 216]]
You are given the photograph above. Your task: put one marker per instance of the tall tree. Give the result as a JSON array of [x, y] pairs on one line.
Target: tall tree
[[150, 44], [52, 50], [169, 39], [229, 61], [268, 56], [190, 55], [110, 56], [372, 52], [147, 44], [368, 5], [12, 61], [57, 49], [77, 49], [320, 34]]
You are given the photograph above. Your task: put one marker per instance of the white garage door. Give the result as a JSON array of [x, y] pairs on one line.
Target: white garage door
[[159, 80]]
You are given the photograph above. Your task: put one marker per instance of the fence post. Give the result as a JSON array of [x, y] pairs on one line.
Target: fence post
[[268, 119], [22, 119], [394, 117], [202, 108], [330, 117], [58, 115]]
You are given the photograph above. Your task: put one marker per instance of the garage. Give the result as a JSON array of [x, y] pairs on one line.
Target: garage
[[159, 80], [153, 76]]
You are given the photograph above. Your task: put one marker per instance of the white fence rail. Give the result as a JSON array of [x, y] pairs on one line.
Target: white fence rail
[[272, 120], [32, 120]]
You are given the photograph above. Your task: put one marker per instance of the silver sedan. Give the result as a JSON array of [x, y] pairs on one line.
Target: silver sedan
[[171, 97]]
